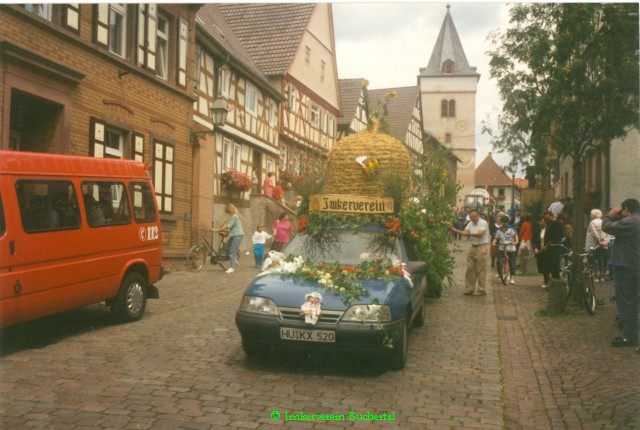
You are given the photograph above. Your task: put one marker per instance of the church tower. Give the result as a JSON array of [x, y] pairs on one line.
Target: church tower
[[448, 88]]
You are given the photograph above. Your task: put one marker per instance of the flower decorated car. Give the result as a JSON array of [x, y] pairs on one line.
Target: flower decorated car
[[345, 281]]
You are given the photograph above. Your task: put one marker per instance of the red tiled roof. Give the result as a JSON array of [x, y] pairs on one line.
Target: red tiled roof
[[488, 173], [271, 33], [399, 108], [212, 21], [350, 90]]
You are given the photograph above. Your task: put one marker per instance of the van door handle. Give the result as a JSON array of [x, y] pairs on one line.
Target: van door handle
[[17, 287], [12, 247]]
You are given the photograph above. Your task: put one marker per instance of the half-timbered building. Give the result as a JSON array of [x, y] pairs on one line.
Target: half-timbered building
[[105, 80], [248, 141], [294, 45], [354, 111]]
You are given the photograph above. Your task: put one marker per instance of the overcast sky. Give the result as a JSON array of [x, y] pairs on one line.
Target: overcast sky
[[387, 44]]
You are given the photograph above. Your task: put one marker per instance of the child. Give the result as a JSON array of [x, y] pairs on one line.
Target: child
[[259, 240]]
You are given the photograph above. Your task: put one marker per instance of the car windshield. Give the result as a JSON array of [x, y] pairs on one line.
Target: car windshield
[[351, 248]]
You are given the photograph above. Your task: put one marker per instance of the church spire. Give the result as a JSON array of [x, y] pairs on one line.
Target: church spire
[[448, 55]]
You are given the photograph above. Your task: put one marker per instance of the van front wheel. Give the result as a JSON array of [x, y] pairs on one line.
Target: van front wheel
[[131, 300]]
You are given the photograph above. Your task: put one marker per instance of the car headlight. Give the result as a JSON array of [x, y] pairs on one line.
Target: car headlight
[[258, 305], [367, 313]]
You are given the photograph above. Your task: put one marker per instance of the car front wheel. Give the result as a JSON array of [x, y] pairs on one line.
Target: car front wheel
[[400, 350], [130, 303]]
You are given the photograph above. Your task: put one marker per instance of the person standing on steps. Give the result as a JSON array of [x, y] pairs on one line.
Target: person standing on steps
[[624, 224], [477, 258], [282, 229], [268, 185], [236, 235]]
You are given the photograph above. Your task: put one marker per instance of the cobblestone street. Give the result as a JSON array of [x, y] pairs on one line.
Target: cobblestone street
[[182, 367]]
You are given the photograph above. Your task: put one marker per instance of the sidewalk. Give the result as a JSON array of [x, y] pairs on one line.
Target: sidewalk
[[560, 372]]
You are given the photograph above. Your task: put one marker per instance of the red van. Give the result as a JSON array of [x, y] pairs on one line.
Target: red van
[[75, 231]]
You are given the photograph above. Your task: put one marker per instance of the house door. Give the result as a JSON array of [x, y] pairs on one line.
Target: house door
[[257, 169], [35, 123]]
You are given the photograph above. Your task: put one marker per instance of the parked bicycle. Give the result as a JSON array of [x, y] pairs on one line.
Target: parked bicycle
[[197, 255], [569, 276]]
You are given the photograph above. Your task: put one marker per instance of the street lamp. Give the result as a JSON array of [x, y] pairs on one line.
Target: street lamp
[[219, 110]]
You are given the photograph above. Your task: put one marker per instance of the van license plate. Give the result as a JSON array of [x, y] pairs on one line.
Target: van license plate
[[324, 336]]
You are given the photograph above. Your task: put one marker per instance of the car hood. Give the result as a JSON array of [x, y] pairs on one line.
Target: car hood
[[287, 291]]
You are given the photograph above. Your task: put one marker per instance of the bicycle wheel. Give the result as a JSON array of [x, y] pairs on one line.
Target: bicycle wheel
[[503, 269], [590, 301], [195, 258], [566, 277]]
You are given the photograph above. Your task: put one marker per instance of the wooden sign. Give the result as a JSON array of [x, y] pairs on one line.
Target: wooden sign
[[350, 204]]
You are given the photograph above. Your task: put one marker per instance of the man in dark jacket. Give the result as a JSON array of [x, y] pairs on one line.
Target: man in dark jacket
[[553, 239], [624, 224]]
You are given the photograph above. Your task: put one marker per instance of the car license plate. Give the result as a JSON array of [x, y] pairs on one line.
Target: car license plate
[[300, 334]]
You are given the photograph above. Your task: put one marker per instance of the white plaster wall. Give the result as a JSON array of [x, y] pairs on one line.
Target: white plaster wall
[[318, 38], [462, 127], [625, 168]]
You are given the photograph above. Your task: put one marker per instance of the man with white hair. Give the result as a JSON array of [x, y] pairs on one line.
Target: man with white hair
[[598, 240], [556, 208]]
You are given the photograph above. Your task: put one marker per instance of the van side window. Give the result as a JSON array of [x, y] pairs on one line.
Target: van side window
[[2, 227], [47, 205], [143, 209], [105, 203]]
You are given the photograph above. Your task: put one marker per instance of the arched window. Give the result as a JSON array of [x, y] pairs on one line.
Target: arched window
[[447, 66], [447, 138], [452, 108], [444, 109]]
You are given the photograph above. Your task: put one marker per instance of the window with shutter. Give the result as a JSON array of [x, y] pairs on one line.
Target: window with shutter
[[251, 99], [71, 16], [152, 28], [42, 10], [97, 139], [183, 35], [162, 32], [138, 147], [452, 108], [102, 24], [118, 29], [224, 81], [444, 109], [163, 159], [142, 27]]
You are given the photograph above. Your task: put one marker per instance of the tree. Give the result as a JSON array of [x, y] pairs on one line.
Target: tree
[[568, 77]]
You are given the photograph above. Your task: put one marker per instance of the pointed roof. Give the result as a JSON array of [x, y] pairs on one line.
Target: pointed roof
[[271, 33], [448, 47], [350, 90], [399, 108], [489, 174], [211, 21]]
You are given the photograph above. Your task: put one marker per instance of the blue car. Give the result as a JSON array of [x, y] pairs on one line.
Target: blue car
[[375, 323]]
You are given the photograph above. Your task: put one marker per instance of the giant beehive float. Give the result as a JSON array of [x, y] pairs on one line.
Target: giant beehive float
[[359, 169]]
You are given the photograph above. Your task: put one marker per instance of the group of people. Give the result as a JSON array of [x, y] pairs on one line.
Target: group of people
[[282, 231], [614, 239]]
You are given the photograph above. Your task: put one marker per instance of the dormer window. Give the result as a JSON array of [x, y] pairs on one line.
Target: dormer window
[[447, 66]]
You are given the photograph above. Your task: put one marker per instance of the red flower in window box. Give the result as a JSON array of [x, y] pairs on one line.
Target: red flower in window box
[[236, 181]]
